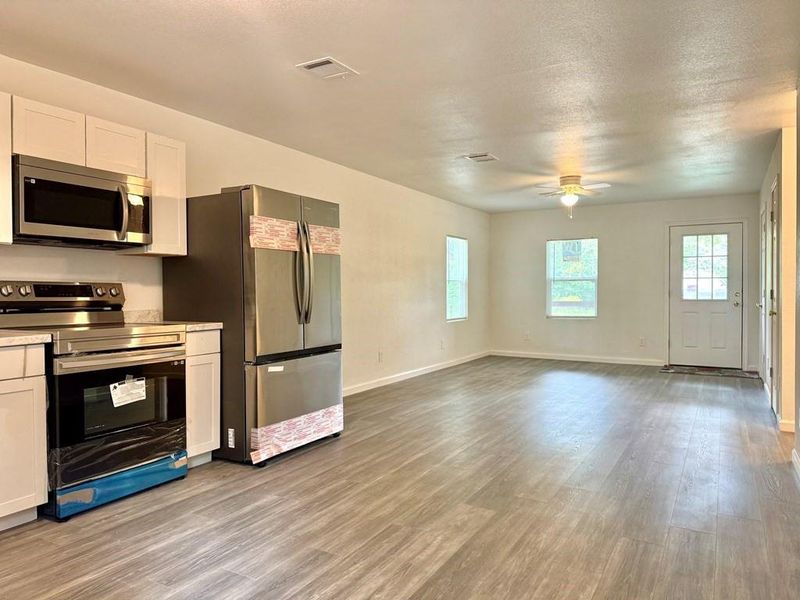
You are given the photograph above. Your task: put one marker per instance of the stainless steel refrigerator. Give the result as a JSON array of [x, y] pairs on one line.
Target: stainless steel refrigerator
[[280, 304]]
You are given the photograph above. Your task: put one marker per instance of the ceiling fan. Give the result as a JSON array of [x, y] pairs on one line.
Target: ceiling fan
[[570, 189]]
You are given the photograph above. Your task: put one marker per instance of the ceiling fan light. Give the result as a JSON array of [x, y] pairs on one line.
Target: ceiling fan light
[[569, 199]]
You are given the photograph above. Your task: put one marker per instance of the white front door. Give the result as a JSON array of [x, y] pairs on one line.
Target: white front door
[[705, 291]]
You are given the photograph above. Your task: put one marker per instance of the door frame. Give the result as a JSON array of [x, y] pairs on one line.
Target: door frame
[[746, 291], [772, 212]]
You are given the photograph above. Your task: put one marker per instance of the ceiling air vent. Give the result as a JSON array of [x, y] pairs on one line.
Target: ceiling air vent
[[327, 68], [480, 157]]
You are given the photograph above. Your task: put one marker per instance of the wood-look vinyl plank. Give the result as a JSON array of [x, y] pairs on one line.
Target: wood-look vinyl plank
[[500, 478], [737, 493], [631, 572], [782, 530], [741, 560], [687, 566]]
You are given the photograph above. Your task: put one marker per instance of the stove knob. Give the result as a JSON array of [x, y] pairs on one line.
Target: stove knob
[[6, 290], [101, 291], [25, 290], [114, 292]]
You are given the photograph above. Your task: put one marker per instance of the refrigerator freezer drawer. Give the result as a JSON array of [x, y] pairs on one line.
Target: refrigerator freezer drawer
[[293, 388]]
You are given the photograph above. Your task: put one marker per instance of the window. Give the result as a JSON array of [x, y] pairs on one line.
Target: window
[[705, 267], [572, 278], [457, 269]]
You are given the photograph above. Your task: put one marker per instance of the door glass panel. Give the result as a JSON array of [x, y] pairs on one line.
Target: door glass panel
[[720, 289], [86, 409], [705, 267], [690, 289], [690, 267]]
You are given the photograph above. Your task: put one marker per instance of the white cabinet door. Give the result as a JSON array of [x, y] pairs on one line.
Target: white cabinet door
[[48, 131], [23, 445], [166, 169], [6, 207], [202, 403], [115, 147]]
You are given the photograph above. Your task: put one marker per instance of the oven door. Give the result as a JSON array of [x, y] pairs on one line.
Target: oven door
[[75, 205], [109, 412]]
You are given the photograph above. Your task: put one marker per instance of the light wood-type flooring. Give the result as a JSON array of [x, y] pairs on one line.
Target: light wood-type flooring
[[500, 478]]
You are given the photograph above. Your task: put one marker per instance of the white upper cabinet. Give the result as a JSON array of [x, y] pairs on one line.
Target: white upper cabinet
[[48, 131], [114, 147], [6, 206], [166, 169]]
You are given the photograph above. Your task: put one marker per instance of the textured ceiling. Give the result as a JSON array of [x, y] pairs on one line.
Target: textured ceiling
[[662, 98]]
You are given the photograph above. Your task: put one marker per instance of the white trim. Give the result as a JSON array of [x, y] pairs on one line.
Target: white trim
[[618, 360], [380, 382], [796, 461], [18, 518], [199, 459], [746, 291], [786, 425]]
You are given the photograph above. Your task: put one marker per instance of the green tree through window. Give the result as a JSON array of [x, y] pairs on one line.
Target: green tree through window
[[457, 271], [572, 278]]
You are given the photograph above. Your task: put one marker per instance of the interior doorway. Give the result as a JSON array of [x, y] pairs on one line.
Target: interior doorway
[[706, 295], [768, 304]]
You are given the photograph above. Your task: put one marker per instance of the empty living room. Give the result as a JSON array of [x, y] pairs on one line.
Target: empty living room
[[408, 300]]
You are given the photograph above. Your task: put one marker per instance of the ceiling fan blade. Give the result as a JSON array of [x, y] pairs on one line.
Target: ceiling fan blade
[[548, 186], [596, 186], [553, 193]]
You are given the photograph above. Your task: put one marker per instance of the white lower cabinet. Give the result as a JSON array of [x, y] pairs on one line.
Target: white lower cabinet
[[202, 402], [23, 445]]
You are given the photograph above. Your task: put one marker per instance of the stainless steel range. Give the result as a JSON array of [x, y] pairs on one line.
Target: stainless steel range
[[116, 391]]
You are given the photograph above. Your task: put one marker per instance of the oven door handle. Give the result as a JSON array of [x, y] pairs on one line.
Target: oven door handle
[[99, 362]]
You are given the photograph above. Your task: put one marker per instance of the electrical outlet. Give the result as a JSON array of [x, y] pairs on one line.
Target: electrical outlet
[[441, 344], [231, 438], [526, 337], [642, 342], [380, 356]]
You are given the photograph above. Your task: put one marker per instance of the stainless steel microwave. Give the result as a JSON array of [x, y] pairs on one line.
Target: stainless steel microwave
[[61, 204]]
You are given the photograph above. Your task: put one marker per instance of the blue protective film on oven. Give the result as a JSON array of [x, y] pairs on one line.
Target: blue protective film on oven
[[87, 460], [85, 496]]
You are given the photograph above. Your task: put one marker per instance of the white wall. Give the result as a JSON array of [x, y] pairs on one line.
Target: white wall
[[394, 237], [633, 241]]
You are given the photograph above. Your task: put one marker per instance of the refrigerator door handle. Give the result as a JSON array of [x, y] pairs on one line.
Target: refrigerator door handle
[[300, 274], [310, 254]]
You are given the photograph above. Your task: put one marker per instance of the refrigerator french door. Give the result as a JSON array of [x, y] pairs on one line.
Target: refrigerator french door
[[278, 296], [294, 295]]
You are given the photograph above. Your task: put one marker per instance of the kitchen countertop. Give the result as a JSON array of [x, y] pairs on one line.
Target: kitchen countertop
[[199, 326], [15, 337]]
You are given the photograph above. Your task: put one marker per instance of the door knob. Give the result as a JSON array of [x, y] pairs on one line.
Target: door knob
[[772, 313], [759, 305], [736, 303]]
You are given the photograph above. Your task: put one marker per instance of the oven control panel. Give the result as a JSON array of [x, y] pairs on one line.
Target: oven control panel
[[60, 293]]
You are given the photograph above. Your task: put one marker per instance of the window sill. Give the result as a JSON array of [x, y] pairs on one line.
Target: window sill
[[456, 320], [570, 318]]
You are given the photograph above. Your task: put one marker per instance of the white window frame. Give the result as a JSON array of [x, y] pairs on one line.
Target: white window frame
[[447, 279], [550, 279]]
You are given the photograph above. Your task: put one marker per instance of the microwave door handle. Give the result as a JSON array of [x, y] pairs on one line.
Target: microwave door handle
[[123, 195]]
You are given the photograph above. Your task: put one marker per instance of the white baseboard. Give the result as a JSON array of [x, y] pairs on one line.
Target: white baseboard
[[18, 518], [618, 360], [376, 383], [200, 459], [786, 425], [796, 461]]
